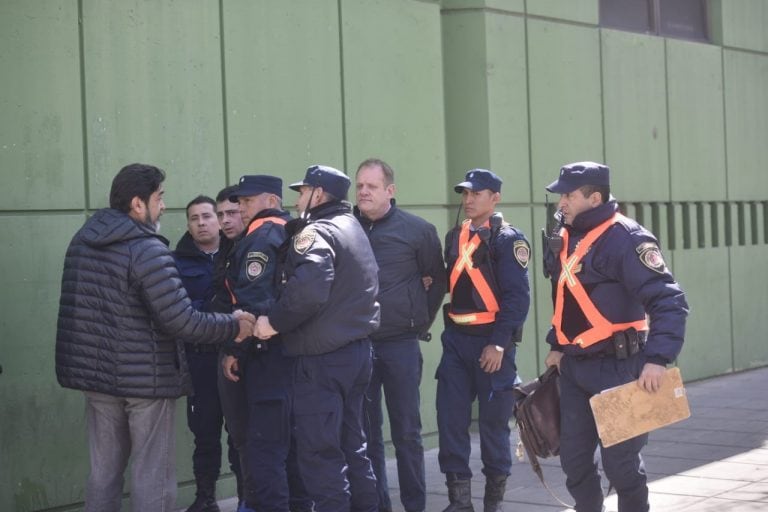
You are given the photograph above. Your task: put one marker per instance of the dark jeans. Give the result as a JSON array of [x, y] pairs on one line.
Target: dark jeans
[[460, 381], [328, 402], [623, 465], [205, 418], [397, 368]]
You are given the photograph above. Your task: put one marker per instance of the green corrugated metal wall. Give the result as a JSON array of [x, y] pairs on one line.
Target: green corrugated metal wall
[[212, 89]]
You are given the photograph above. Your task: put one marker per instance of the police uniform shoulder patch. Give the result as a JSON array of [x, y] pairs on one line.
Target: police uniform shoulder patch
[[522, 252], [650, 256], [255, 264], [304, 240]]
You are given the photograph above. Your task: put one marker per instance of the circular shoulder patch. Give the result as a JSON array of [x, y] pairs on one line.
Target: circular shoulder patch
[[650, 256], [304, 240], [522, 252], [255, 264]]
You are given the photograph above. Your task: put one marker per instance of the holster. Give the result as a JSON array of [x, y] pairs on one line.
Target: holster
[[627, 343]]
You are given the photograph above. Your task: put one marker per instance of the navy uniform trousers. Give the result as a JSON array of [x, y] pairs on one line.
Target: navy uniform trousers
[[233, 405], [273, 483], [397, 365], [328, 401], [459, 381], [579, 380], [257, 408]]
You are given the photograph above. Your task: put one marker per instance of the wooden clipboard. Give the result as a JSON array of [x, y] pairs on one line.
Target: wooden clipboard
[[627, 411]]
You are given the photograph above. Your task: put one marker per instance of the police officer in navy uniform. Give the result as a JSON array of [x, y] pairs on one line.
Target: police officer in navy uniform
[[487, 262], [325, 313], [619, 316], [197, 254], [272, 482]]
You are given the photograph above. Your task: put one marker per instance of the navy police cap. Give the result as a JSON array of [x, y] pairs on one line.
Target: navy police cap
[[578, 174], [329, 179], [479, 179], [255, 184]]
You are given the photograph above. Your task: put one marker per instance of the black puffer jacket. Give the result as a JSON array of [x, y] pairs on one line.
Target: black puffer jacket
[[122, 307]]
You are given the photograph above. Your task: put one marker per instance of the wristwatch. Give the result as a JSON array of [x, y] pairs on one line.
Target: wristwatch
[[498, 348]]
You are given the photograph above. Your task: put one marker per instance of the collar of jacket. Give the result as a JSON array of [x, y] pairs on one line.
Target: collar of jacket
[[329, 209], [589, 219], [365, 221], [108, 226], [186, 246], [269, 212]]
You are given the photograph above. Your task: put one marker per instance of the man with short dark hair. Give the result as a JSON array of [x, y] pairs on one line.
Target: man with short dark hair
[[487, 261], [325, 314], [196, 255], [412, 285], [232, 395], [618, 316], [122, 313]]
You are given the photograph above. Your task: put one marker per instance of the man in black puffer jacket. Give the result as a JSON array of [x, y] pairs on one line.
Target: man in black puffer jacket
[[121, 312]]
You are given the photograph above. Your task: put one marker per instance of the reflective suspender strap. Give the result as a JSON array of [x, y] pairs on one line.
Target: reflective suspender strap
[[601, 328], [464, 264]]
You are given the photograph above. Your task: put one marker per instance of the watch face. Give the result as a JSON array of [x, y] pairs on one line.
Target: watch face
[[499, 349]]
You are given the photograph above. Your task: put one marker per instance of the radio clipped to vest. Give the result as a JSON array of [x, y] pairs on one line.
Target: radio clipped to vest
[[551, 241]]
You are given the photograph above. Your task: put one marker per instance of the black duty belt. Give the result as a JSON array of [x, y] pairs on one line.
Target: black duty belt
[[621, 345], [201, 348]]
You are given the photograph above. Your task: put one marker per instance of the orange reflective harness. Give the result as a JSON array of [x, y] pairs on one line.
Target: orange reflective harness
[[601, 328], [251, 228], [463, 263]]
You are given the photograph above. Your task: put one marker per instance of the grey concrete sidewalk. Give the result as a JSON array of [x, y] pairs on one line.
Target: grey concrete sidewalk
[[717, 460]]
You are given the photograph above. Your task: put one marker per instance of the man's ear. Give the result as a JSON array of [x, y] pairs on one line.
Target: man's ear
[[138, 208]]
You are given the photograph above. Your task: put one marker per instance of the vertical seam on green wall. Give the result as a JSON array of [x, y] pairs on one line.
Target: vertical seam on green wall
[[486, 86], [666, 111], [727, 204], [602, 92], [83, 108], [539, 327], [342, 91], [528, 107], [225, 121]]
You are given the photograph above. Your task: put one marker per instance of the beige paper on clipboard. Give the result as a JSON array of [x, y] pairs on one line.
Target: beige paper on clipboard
[[627, 411]]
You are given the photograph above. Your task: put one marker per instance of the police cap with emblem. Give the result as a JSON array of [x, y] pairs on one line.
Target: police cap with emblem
[[255, 184], [331, 180], [578, 174], [479, 179]]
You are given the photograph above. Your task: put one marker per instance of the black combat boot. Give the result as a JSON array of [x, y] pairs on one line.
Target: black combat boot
[[494, 493], [205, 496], [459, 494]]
